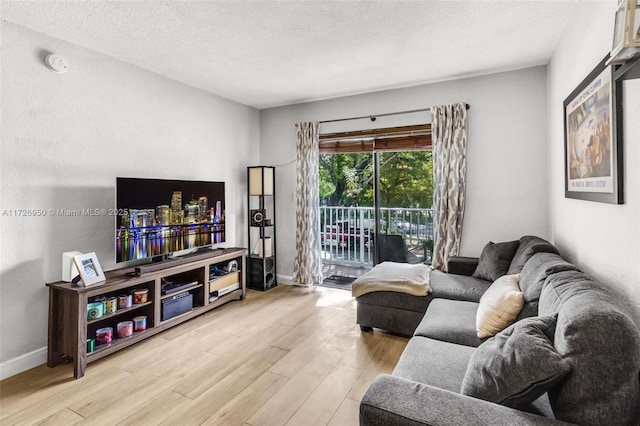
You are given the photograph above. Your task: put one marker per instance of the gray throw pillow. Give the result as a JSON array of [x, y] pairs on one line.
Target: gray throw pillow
[[517, 365], [495, 260]]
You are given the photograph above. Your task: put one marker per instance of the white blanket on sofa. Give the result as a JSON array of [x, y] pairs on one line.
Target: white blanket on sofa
[[392, 276]]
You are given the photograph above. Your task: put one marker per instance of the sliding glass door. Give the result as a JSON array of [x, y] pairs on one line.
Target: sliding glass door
[[404, 190], [376, 190], [346, 209]]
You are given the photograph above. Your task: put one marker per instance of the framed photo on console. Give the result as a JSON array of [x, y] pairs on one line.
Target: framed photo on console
[[593, 138], [89, 268]]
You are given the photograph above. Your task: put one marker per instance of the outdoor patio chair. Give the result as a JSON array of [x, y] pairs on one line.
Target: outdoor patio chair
[[394, 249]]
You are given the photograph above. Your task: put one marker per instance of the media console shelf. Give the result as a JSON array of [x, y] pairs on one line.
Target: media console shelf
[[208, 283]]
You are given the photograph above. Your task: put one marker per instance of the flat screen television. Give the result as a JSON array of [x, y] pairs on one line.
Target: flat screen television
[[157, 217]]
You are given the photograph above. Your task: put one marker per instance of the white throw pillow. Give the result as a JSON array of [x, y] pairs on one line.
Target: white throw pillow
[[499, 306]]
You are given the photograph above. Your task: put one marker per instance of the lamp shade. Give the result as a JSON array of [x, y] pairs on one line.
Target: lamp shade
[[261, 180], [626, 33], [265, 249]]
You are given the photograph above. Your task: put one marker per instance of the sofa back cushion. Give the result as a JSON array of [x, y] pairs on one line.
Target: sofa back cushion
[[601, 344], [527, 247], [536, 271]]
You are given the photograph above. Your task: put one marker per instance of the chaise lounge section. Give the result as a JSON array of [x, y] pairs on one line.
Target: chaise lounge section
[[401, 313]]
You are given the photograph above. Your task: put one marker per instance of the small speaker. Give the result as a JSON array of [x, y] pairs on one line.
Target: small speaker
[[262, 274], [257, 216]]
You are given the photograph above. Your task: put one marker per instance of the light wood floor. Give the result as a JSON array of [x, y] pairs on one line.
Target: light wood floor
[[289, 356]]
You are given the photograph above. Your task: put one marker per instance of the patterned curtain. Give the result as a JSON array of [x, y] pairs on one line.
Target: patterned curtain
[[449, 138], [307, 267]]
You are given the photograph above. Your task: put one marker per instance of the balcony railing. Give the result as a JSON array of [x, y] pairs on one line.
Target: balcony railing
[[347, 233]]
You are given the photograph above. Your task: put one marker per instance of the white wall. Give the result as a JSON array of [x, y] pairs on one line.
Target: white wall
[[506, 156], [66, 137], [603, 239]]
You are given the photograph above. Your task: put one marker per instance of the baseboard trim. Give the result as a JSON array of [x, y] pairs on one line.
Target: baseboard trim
[[21, 363], [288, 280]]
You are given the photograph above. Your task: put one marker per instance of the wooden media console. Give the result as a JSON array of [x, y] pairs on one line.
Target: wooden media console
[[69, 326]]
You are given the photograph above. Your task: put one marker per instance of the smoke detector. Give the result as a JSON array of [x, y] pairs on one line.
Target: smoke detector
[[56, 63]]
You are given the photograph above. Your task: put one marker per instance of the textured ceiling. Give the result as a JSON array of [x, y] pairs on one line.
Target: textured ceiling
[[270, 53]]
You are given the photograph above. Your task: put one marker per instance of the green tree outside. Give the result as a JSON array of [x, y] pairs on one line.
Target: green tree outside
[[406, 179]]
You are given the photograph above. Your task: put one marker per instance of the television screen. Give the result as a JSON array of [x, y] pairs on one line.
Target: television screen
[[157, 217]]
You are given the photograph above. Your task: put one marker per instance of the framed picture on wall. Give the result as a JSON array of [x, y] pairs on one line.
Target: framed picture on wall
[[593, 138]]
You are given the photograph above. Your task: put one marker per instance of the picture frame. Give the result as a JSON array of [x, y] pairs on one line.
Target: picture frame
[[89, 268], [593, 160]]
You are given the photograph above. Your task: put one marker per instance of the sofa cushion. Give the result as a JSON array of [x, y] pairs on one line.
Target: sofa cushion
[[457, 287], [596, 336], [499, 306], [517, 365], [527, 247], [450, 321], [536, 271], [434, 362], [495, 260]]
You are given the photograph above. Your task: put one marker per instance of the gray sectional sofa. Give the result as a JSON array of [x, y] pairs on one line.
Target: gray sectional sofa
[[573, 354]]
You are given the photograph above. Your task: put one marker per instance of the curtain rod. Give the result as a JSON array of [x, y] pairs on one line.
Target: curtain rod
[[373, 117]]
